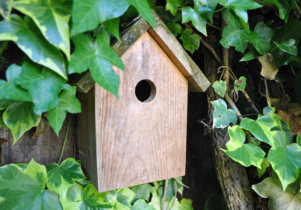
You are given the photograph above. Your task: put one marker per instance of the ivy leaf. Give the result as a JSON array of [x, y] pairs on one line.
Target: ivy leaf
[[288, 132], [191, 41], [197, 16], [113, 26], [5, 8], [187, 204], [270, 111], [215, 202], [91, 199], [170, 188], [250, 55], [60, 178], [19, 118], [297, 86], [25, 188], [240, 7], [278, 200], [221, 115], [265, 34], [240, 85], [74, 194], [10, 90], [142, 191], [86, 15], [264, 165], [67, 102], [220, 87], [29, 39], [172, 5], [298, 139], [245, 154], [52, 17], [98, 57], [288, 47], [43, 85], [124, 197], [141, 204], [211, 4], [286, 163], [283, 6], [260, 128]]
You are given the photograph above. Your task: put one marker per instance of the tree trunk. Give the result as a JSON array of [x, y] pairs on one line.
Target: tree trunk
[[231, 175]]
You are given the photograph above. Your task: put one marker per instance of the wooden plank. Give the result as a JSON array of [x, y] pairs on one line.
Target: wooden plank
[[142, 142], [86, 134], [197, 81]]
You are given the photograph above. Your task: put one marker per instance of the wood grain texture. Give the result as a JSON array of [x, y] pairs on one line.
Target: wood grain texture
[[138, 142], [197, 81]]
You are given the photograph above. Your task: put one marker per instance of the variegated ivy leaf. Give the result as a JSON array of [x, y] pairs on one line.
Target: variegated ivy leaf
[[124, 197], [141, 204], [142, 191], [279, 199], [98, 57], [67, 103], [86, 15], [270, 111], [221, 115], [52, 17], [113, 26], [9, 89], [288, 47], [5, 103], [240, 84], [61, 177], [245, 154], [264, 165], [191, 41], [73, 195], [43, 85], [91, 199], [25, 188], [5, 8], [220, 87], [19, 118], [29, 39], [289, 134], [260, 128]]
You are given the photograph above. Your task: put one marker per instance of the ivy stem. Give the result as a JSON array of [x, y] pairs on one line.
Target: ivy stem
[[65, 141], [267, 92], [219, 10], [214, 26], [164, 195], [297, 7]]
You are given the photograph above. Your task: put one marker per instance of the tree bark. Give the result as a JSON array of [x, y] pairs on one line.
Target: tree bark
[[231, 175]]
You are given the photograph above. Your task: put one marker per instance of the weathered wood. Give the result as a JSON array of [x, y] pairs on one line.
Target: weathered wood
[[139, 142], [197, 82]]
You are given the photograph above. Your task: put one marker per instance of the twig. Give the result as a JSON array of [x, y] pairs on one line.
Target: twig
[[164, 195], [181, 182], [65, 141], [174, 200], [267, 92]]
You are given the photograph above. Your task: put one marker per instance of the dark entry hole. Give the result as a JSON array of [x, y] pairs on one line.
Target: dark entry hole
[[145, 91]]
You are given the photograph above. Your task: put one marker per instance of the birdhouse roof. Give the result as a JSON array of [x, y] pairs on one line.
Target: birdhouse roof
[[197, 81]]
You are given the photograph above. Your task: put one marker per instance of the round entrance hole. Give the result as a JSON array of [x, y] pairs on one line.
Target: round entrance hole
[[145, 91]]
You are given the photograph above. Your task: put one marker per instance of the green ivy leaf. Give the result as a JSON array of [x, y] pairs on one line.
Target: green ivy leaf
[[67, 102], [25, 188], [9, 89], [260, 128], [220, 87], [98, 57], [142, 191], [215, 202], [124, 197], [286, 163], [250, 55], [19, 118], [283, 6], [60, 178], [29, 39], [43, 85], [142, 205], [52, 17], [197, 16], [240, 7], [298, 139], [264, 165], [170, 189], [245, 154], [288, 47], [278, 200], [91, 200], [240, 84], [265, 34], [172, 6], [86, 15], [211, 4], [113, 26], [221, 115], [191, 41], [187, 204], [5, 8], [74, 194]]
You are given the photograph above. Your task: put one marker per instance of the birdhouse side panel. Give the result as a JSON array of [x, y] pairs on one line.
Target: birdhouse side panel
[[141, 138]]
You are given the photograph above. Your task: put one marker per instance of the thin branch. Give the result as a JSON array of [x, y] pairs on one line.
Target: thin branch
[[178, 180], [174, 200], [164, 195], [267, 92]]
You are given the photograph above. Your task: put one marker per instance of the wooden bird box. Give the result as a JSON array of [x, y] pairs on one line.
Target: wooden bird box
[[141, 137]]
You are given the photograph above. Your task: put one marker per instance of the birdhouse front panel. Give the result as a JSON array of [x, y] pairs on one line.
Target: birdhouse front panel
[[141, 137]]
